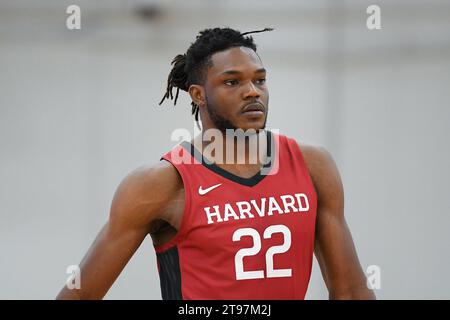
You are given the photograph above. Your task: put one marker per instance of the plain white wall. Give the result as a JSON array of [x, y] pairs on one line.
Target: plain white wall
[[78, 111]]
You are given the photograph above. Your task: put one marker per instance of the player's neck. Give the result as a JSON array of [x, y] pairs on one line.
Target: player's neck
[[243, 154]]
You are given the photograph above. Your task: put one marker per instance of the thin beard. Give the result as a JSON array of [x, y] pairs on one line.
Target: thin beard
[[222, 123], [219, 122]]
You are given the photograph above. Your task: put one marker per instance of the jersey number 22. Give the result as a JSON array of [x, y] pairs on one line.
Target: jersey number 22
[[270, 272]]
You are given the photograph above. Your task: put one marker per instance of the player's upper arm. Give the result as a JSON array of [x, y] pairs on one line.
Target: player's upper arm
[[326, 179], [140, 199], [334, 247]]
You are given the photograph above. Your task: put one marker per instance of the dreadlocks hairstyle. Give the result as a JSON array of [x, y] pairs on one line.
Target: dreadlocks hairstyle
[[190, 68]]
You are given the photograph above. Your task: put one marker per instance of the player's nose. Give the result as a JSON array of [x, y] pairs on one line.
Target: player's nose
[[251, 91]]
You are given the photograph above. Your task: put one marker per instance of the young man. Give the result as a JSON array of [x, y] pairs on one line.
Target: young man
[[227, 229]]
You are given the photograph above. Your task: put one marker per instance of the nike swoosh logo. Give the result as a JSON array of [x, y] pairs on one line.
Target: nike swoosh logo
[[205, 191]]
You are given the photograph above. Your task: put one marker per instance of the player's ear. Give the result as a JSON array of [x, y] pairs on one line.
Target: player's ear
[[197, 94]]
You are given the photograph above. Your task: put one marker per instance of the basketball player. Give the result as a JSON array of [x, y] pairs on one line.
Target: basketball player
[[228, 230]]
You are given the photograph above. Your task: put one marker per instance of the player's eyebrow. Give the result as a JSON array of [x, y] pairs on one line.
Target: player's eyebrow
[[235, 72]]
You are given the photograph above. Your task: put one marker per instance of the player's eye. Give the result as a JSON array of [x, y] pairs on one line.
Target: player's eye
[[261, 81], [231, 82]]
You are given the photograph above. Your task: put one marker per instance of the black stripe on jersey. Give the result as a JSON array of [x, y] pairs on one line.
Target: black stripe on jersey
[[169, 274], [249, 182]]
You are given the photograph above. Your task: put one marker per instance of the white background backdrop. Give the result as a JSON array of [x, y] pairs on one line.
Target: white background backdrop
[[78, 111]]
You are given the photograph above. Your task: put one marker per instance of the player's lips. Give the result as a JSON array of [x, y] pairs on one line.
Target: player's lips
[[254, 108]]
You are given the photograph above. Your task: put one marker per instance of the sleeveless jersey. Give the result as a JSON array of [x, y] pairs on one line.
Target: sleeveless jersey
[[241, 238]]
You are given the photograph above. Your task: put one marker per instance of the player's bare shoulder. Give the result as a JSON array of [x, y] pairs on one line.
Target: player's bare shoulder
[[324, 173], [148, 195], [317, 158]]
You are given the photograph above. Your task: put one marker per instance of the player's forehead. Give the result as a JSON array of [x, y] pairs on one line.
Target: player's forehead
[[241, 59]]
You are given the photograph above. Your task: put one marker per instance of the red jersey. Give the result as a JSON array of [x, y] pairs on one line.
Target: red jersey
[[241, 238]]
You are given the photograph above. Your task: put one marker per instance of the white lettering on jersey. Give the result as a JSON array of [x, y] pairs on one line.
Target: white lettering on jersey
[[259, 210], [289, 204], [210, 214], [301, 207], [273, 206], [229, 212], [240, 205], [244, 209]]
